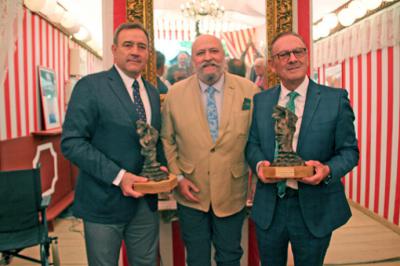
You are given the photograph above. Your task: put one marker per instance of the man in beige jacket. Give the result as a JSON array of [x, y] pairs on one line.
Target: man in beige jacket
[[206, 120]]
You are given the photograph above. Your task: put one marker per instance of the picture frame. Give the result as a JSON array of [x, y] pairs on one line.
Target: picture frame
[[333, 76], [49, 98]]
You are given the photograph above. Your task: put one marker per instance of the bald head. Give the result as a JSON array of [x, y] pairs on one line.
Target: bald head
[[259, 66], [208, 58]]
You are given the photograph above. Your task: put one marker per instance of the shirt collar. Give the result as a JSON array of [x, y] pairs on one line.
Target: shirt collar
[[301, 89], [128, 81], [218, 86]]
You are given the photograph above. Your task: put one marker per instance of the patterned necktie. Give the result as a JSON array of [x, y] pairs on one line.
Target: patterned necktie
[[138, 102], [291, 106], [212, 113]]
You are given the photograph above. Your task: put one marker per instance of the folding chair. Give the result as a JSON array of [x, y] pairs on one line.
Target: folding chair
[[23, 217]]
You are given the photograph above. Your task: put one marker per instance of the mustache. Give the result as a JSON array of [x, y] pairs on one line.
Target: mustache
[[210, 63]]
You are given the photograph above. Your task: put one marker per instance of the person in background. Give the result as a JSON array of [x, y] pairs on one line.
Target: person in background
[[160, 65], [179, 74], [206, 119], [237, 67], [259, 70], [99, 136], [303, 212], [182, 67]]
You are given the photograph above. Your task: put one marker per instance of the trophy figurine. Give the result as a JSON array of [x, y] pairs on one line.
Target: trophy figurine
[[287, 164], [159, 181]]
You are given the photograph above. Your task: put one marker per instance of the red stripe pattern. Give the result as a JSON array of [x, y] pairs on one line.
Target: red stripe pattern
[[38, 44], [374, 90]]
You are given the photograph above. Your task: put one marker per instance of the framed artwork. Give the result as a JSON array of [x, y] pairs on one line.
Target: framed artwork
[[49, 96], [333, 76]]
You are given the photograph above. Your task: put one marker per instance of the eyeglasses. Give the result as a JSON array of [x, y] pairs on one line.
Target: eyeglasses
[[297, 52]]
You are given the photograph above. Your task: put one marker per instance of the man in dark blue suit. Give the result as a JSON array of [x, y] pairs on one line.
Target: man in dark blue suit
[[305, 211], [99, 136]]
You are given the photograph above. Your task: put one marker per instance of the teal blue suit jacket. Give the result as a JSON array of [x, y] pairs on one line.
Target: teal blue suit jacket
[[99, 136], [327, 134]]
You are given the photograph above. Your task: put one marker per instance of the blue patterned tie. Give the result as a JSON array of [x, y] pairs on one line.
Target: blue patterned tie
[[212, 113], [138, 102], [291, 106]]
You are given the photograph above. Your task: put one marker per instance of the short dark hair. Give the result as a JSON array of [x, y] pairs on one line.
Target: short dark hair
[[237, 67], [160, 60], [129, 26], [283, 34]]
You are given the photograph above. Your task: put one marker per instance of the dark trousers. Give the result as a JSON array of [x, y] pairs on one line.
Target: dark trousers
[[288, 226], [141, 234], [200, 229]]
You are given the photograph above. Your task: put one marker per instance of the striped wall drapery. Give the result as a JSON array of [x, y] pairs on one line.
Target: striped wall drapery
[[373, 83], [238, 41], [38, 44]]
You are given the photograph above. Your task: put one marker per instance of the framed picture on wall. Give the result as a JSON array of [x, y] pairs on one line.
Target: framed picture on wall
[[49, 96], [333, 76]]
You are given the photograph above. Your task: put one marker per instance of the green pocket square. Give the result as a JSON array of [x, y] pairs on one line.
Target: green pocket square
[[246, 104]]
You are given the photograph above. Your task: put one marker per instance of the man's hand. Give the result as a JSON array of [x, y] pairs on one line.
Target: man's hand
[[321, 171], [186, 188], [260, 173], [164, 169], [127, 185]]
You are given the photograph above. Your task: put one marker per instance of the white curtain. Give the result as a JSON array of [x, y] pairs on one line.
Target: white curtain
[[376, 32], [11, 13]]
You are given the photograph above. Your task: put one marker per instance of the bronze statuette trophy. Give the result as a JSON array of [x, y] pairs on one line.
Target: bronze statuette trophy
[[287, 164], [159, 181]]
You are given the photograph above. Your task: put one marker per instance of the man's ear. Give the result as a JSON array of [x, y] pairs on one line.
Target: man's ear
[[271, 67]]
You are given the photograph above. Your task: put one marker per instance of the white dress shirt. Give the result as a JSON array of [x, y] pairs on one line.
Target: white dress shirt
[[128, 81], [299, 103]]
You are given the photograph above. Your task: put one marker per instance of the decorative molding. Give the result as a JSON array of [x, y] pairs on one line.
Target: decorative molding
[[142, 11], [39, 149], [279, 19]]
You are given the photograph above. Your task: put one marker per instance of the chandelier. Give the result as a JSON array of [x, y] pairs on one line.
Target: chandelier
[[198, 9]]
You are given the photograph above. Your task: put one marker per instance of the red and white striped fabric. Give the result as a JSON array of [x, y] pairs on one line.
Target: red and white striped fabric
[[237, 41], [177, 30], [373, 83], [38, 44]]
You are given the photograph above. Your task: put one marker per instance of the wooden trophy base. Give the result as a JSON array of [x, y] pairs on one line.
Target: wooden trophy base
[[153, 187], [287, 172]]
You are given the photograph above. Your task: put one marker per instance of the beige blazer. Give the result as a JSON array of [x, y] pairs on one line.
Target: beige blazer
[[218, 169]]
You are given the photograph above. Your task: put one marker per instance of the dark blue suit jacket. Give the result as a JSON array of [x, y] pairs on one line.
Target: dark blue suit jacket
[[99, 136], [327, 135]]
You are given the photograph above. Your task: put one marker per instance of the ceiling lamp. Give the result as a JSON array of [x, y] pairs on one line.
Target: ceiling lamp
[[372, 4], [83, 34], [35, 5], [330, 20], [345, 17], [357, 8], [198, 9], [57, 14], [69, 22]]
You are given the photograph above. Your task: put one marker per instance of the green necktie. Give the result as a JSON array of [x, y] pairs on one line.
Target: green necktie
[[281, 185]]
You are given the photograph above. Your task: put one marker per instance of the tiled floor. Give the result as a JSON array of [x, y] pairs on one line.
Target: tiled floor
[[363, 239]]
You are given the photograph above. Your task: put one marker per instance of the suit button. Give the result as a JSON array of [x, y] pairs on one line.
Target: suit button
[[212, 150]]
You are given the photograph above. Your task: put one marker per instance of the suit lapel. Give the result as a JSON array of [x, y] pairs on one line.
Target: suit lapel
[[197, 103], [226, 106], [311, 105], [152, 101], [118, 87], [272, 101]]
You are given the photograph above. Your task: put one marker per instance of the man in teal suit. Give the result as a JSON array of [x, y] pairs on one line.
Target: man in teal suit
[[305, 211], [99, 136]]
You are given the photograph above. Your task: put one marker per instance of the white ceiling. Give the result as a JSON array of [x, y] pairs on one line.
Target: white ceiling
[[253, 9]]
